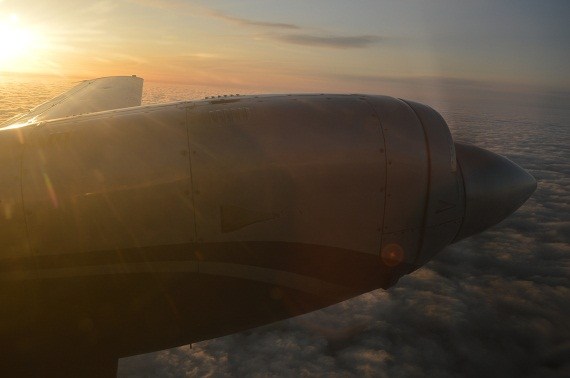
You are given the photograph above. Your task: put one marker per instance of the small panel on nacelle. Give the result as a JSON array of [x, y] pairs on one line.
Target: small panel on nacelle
[[303, 169]]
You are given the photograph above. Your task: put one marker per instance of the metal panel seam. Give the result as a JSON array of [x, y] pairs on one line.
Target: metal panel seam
[[461, 182], [187, 122], [428, 191], [381, 134]]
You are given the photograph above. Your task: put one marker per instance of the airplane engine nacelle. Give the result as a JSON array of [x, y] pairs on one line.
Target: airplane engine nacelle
[[348, 190], [128, 231]]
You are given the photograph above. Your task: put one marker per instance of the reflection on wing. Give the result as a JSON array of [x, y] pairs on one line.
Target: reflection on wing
[[106, 93]]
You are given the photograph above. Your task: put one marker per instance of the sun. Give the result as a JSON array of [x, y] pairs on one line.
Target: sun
[[16, 42]]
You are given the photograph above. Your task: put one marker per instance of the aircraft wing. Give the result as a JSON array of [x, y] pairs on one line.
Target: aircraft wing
[[89, 96]]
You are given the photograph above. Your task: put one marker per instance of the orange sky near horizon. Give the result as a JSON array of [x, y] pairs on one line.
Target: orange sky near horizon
[[320, 45]]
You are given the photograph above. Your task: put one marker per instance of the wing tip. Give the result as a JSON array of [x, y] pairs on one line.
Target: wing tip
[[129, 77], [67, 104]]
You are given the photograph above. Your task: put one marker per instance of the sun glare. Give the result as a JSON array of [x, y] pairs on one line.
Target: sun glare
[[16, 42]]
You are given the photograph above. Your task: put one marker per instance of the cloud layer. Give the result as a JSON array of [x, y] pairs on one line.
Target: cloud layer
[[247, 22], [281, 32], [343, 42], [301, 36]]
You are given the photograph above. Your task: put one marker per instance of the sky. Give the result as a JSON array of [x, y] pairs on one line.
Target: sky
[[292, 45]]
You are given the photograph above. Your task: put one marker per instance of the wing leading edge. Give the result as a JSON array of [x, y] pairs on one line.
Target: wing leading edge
[[89, 96]]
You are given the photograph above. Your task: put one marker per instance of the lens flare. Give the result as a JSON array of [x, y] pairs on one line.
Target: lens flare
[[392, 255], [51, 191]]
